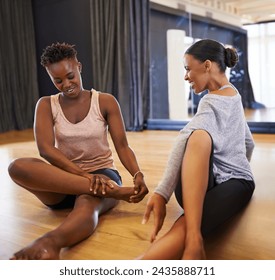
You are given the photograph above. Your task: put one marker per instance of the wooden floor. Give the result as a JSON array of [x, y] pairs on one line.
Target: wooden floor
[[120, 234]]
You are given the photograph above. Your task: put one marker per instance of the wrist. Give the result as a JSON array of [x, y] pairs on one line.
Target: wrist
[[160, 198], [137, 174]]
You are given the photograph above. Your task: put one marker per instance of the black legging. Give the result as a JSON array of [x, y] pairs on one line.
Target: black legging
[[222, 201]]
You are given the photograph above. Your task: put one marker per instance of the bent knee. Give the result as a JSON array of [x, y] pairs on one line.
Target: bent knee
[[200, 140], [15, 167], [19, 166]]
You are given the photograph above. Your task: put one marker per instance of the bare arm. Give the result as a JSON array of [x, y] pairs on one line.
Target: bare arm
[[111, 112]]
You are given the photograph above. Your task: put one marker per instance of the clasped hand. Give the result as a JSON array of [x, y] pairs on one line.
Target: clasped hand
[[99, 183], [102, 186]]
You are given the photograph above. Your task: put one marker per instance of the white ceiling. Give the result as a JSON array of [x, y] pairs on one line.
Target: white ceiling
[[251, 11], [237, 13]]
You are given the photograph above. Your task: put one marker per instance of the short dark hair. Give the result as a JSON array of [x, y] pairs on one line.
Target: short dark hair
[[214, 51], [57, 52]]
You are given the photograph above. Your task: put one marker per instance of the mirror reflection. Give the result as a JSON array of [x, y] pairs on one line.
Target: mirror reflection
[[172, 33]]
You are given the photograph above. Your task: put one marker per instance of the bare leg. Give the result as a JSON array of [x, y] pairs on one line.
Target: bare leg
[[195, 173], [184, 240], [79, 225], [50, 184], [170, 246]]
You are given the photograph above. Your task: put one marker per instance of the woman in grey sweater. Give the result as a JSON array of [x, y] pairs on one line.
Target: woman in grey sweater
[[208, 168]]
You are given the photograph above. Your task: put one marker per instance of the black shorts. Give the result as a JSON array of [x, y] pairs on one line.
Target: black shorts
[[69, 200]]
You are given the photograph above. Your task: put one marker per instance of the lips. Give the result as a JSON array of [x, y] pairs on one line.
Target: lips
[[70, 91]]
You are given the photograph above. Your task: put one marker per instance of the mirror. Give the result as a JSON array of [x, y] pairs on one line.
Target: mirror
[[172, 101]]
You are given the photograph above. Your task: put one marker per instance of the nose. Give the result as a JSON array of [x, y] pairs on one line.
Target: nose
[[66, 83], [186, 76]]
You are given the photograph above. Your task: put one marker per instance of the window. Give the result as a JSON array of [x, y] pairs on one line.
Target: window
[[261, 58]]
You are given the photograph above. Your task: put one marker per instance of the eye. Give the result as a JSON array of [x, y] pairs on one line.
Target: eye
[[58, 81], [71, 76]]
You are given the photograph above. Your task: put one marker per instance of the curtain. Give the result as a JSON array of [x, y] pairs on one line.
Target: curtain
[[120, 55], [239, 75], [18, 76]]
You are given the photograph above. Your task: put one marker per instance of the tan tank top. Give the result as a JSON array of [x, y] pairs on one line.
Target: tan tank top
[[84, 143]]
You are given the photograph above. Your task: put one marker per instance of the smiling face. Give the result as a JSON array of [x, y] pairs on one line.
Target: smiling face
[[197, 73], [66, 77]]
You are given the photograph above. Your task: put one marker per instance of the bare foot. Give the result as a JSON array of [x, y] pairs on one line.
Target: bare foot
[[43, 248], [117, 192], [121, 193], [194, 250]]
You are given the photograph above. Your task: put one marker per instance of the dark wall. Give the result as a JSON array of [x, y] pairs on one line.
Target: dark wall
[[62, 21]]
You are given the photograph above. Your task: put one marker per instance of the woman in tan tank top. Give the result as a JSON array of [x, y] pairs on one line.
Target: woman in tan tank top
[[71, 130]]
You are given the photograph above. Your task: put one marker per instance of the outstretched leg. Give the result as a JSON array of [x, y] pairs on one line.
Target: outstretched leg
[[78, 225], [51, 185]]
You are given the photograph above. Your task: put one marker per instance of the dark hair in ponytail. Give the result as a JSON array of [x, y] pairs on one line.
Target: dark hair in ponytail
[[214, 51]]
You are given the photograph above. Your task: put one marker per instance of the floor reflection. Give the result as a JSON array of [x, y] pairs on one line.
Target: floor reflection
[[260, 115]]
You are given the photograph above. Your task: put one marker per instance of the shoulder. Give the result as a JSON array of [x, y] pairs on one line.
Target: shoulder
[[207, 102], [107, 101], [108, 104], [43, 107], [44, 101], [106, 97]]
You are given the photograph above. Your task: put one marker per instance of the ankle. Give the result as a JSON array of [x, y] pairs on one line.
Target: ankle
[[53, 239], [193, 238], [194, 234]]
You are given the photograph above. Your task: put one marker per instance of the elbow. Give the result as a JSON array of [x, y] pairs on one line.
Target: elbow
[[44, 152]]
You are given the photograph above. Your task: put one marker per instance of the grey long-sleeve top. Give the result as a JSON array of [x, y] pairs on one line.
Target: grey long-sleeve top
[[223, 118]]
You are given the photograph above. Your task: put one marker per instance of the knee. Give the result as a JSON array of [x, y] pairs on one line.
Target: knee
[[92, 204], [87, 202], [200, 139], [15, 168], [19, 167]]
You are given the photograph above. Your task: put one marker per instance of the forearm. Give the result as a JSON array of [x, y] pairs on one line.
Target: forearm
[[128, 159], [55, 157], [172, 171]]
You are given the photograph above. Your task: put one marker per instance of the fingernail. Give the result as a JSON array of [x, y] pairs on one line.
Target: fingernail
[[143, 222], [136, 192]]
